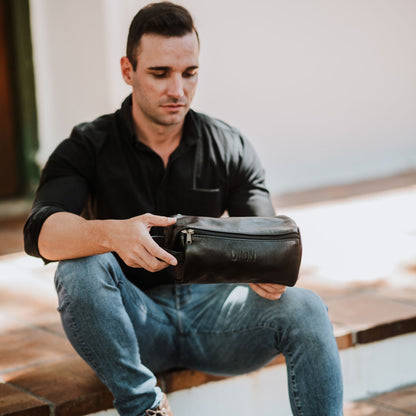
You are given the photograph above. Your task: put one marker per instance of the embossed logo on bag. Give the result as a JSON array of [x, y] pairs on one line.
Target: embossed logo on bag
[[245, 256]]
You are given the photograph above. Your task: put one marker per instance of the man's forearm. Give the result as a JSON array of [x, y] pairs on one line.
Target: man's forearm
[[67, 236]]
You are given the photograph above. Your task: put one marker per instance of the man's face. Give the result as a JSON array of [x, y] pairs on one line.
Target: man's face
[[165, 78]]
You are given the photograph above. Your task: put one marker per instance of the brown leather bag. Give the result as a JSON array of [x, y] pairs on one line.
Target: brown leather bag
[[235, 249]]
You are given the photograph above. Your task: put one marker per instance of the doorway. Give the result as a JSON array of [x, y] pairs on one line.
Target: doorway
[[19, 172], [9, 184]]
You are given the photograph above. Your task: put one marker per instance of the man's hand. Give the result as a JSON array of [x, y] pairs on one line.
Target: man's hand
[[131, 240], [69, 236], [269, 291]]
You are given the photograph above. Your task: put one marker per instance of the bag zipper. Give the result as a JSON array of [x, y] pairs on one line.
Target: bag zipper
[[188, 235], [189, 232]]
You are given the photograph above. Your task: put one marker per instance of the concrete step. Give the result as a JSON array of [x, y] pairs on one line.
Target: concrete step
[[359, 256]]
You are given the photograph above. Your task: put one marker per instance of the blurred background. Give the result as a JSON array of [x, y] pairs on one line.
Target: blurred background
[[326, 90]]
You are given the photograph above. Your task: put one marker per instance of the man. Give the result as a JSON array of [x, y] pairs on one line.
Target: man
[[120, 178]]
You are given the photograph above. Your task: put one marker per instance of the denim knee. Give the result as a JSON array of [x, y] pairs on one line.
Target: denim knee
[[307, 314], [85, 277], [304, 302]]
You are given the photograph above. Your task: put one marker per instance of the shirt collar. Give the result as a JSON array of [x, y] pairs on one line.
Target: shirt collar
[[127, 117]]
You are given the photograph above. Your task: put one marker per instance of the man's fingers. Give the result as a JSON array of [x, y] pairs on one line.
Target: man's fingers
[[153, 264], [148, 262], [158, 221], [151, 257], [272, 287], [153, 248], [156, 251], [268, 291], [136, 247]]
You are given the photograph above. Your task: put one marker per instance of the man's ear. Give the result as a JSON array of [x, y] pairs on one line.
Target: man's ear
[[126, 70]]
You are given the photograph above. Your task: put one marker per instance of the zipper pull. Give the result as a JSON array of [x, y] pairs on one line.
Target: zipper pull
[[188, 233]]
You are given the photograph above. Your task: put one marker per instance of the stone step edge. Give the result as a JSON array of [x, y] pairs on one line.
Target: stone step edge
[[185, 379]]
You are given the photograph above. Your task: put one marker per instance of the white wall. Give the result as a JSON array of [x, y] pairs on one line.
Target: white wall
[[325, 89]]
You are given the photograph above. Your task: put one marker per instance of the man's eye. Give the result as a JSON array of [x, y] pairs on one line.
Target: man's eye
[[190, 74], [159, 74]]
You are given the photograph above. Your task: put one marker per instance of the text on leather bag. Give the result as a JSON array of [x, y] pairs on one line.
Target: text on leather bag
[[247, 256]]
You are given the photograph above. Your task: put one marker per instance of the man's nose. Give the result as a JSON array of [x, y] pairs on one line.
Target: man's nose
[[175, 87]]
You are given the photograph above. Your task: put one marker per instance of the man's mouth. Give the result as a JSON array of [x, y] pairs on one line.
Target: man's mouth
[[173, 105]]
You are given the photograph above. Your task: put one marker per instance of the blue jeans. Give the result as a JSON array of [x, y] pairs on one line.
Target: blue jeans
[[127, 335]]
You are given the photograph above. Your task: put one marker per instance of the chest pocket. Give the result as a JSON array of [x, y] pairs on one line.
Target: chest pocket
[[205, 202], [204, 195]]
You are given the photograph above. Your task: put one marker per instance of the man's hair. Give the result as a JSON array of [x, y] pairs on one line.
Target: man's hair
[[164, 18]]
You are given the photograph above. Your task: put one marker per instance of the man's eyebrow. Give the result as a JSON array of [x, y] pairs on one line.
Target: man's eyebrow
[[167, 68], [158, 68]]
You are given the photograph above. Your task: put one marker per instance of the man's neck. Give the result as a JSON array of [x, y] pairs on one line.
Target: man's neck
[[163, 140]]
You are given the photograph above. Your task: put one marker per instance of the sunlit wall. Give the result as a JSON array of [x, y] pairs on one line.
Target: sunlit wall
[[326, 90]]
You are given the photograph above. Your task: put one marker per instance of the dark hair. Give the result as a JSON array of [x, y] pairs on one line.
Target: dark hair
[[164, 18]]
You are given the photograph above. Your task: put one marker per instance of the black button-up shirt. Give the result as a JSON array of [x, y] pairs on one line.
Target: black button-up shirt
[[102, 171]]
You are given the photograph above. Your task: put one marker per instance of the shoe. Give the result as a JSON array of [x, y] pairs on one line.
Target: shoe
[[162, 410]]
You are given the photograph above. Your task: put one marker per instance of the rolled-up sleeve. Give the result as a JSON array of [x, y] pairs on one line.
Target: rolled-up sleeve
[[60, 195], [64, 187]]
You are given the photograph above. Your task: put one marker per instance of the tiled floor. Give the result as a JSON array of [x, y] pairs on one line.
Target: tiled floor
[[397, 403], [359, 255]]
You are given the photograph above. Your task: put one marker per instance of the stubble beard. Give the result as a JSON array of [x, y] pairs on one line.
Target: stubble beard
[[156, 115], [162, 119]]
